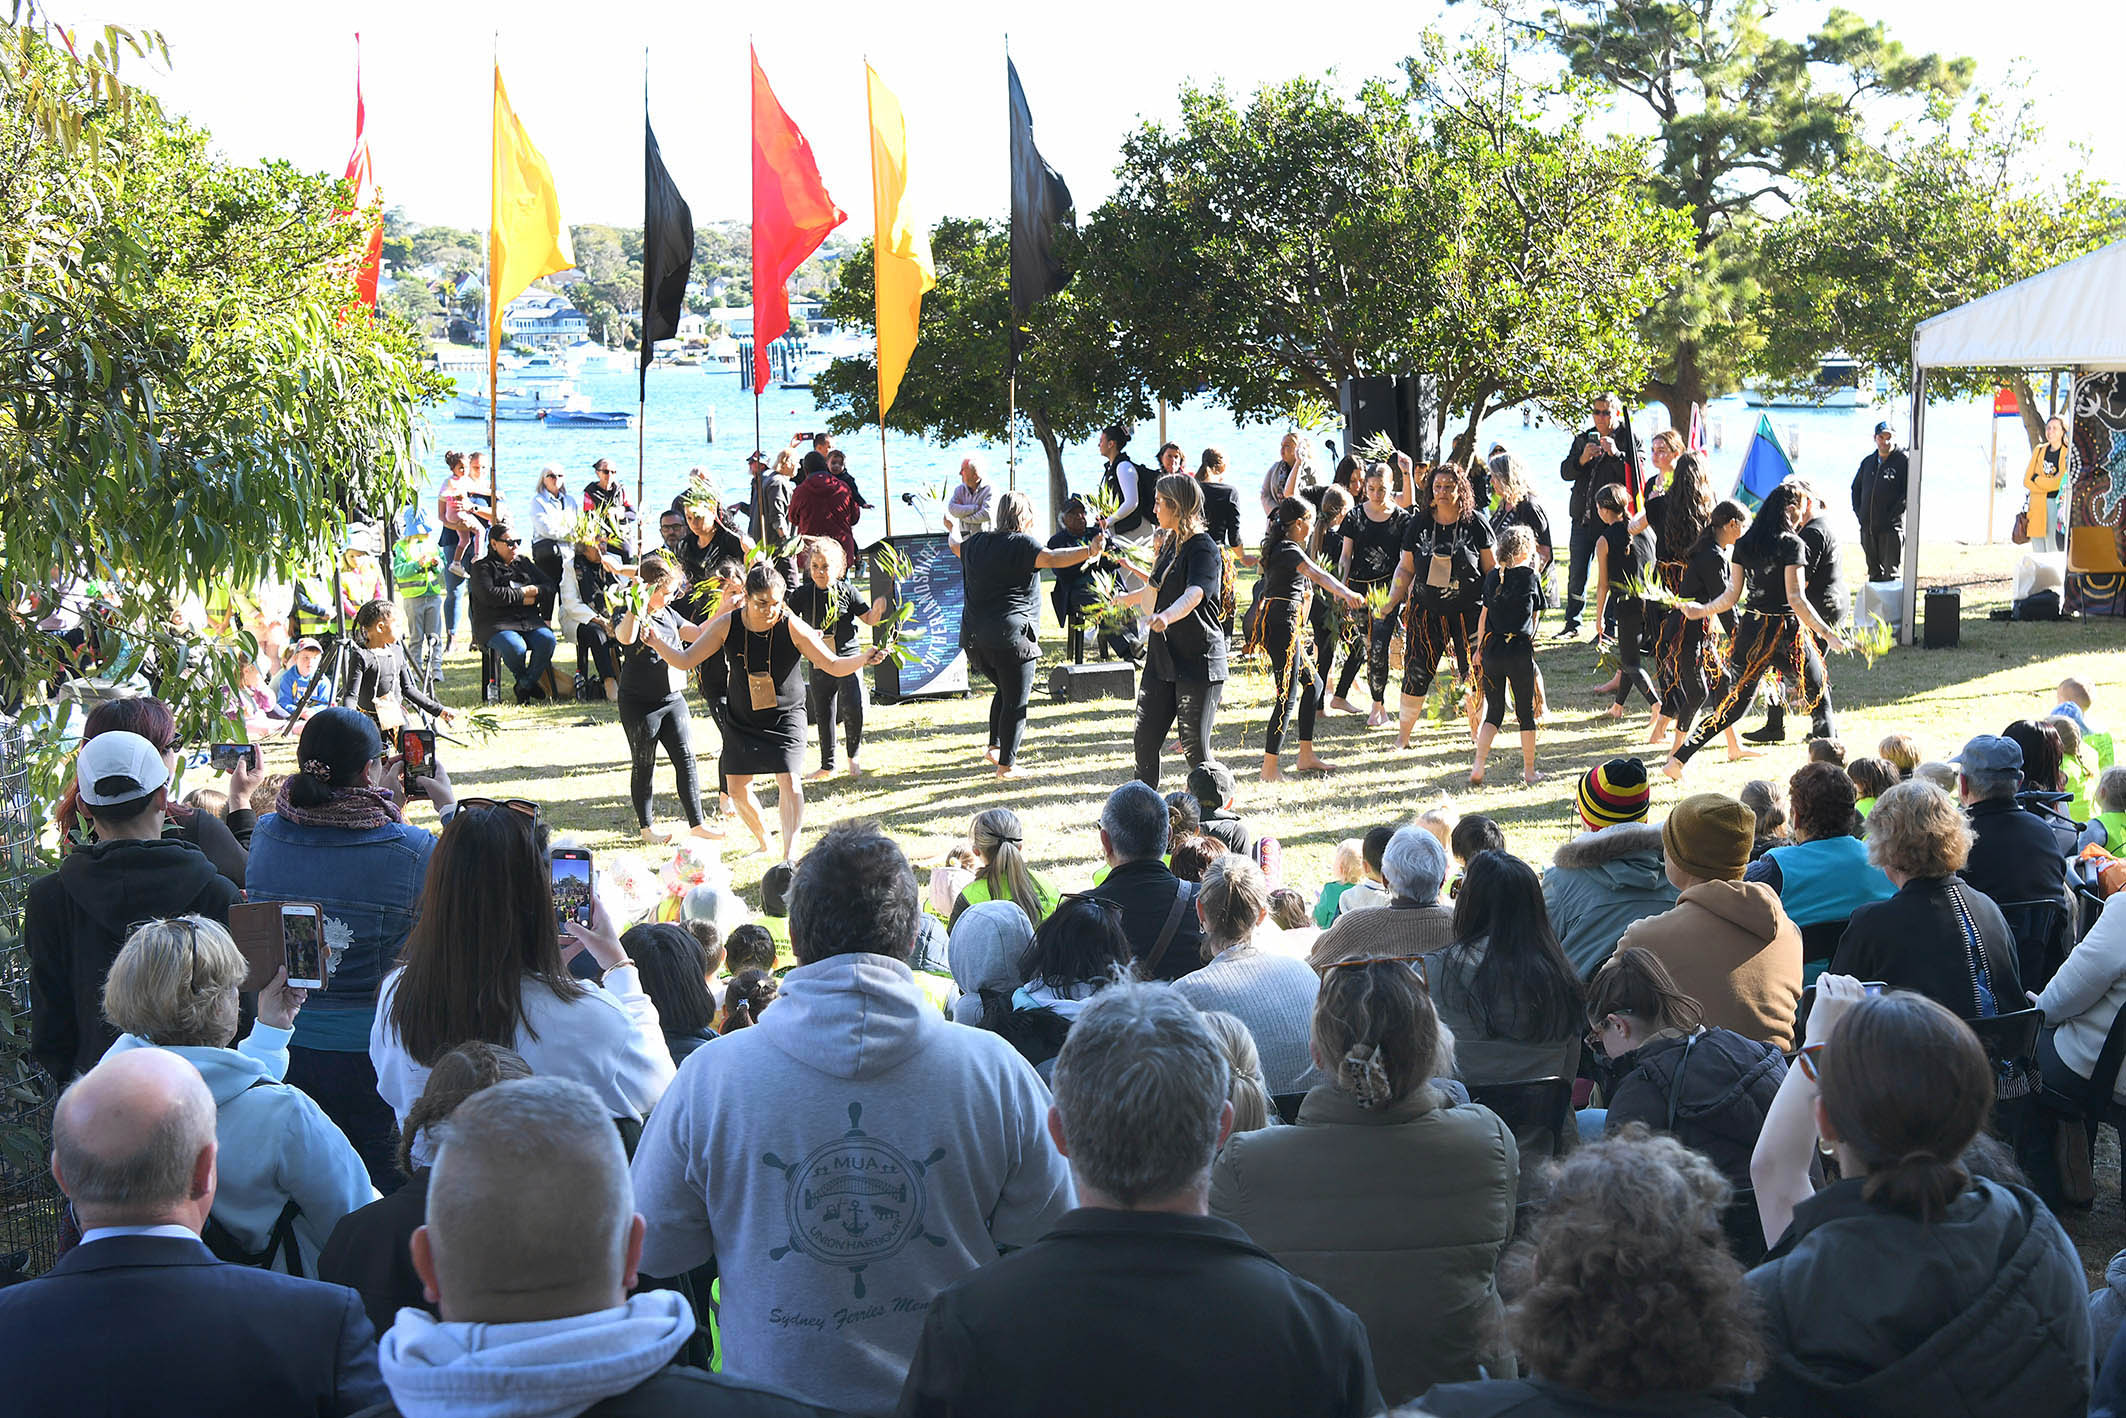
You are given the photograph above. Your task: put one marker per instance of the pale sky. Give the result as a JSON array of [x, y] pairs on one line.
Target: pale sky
[[276, 80]]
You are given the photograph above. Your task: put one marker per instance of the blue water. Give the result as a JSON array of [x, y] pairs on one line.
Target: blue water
[[1825, 444]]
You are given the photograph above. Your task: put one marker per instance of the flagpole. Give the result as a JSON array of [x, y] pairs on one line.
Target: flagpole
[[494, 314], [642, 358], [1011, 329], [760, 350], [878, 358], [1011, 429]]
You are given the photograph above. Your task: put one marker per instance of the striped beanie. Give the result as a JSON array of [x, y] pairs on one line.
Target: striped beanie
[[1612, 793]]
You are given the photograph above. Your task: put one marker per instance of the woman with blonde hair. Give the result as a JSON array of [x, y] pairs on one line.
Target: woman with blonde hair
[[1386, 1195], [1270, 993], [1185, 652], [1001, 873], [829, 603], [1244, 1089], [286, 1174]]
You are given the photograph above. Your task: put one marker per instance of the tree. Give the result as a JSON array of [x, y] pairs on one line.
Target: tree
[[1906, 231], [189, 398], [1072, 381], [1547, 236], [1742, 119]]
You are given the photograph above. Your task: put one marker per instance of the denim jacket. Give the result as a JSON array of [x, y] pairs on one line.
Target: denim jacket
[[368, 884]]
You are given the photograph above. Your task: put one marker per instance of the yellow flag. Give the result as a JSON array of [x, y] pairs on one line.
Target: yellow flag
[[900, 251], [525, 238]]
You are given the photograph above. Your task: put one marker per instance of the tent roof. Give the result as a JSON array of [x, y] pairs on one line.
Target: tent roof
[[2070, 316]]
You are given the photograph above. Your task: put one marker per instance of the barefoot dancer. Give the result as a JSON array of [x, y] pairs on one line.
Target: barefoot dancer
[[653, 709], [760, 643], [834, 607], [1622, 559], [1280, 623], [1446, 551], [1372, 544], [1513, 601]]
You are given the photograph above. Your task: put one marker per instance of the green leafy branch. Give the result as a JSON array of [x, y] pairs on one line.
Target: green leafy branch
[[1872, 641]]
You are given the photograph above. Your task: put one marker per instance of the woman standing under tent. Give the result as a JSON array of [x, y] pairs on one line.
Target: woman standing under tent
[[1446, 551], [1777, 622], [1278, 621], [2043, 480], [760, 644]]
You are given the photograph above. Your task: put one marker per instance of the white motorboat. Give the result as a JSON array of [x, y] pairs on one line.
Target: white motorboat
[[514, 402]]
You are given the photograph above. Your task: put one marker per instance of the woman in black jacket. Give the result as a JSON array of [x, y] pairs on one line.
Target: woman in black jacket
[[1910, 1289], [1938, 936], [511, 600]]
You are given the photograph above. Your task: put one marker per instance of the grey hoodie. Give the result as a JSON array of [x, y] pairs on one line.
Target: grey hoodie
[[986, 946], [541, 1369], [1599, 883], [842, 1161]]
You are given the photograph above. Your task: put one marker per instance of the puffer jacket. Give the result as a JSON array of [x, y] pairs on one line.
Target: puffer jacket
[[1599, 883], [1715, 1085], [1871, 1312], [1399, 1212]]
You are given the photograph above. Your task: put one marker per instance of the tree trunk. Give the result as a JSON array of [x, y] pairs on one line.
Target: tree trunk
[[2031, 407], [1688, 387], [1044, 433]]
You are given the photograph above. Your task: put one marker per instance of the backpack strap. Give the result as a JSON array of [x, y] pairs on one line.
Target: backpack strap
[[1184, 897], [1675, 1082], [280, 1240]]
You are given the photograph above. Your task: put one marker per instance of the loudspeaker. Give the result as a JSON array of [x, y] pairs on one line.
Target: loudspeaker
[[1943, 611], [1103, 679], [1400, 405]]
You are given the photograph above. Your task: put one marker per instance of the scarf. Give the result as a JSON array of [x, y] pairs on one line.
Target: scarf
[[354, 809]]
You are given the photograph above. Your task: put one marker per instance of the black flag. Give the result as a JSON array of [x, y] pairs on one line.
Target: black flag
[[1040, 202], [667, 252]]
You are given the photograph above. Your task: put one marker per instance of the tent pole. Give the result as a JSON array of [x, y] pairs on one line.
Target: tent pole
[[1993, 462], [1909, 611]]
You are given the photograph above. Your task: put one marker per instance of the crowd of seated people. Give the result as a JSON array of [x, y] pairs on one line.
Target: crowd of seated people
[[1002, 1147]]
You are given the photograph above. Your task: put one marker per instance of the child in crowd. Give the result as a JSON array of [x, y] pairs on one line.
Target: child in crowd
[[710, 939], [1872, 777], [749, 947], [1512, 599], [2075, 700], [1473, 834], [2107, 829], [1350, 868], [1941, 775], [749, 992], [254, 705], [2075, 777], [211, 801], [378, 682], [1183, 817], [1439, 820], [1212, 785], [1769, 804], [1900, 751], [288, 689], [1827, 751], [1288, 910], [1373, 890], [952, 873]]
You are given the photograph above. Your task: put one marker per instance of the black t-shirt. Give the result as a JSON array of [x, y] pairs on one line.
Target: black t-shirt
[[1766, 594], [1513, 598], [1824, 581], [1630, 557], [643, 673], [1463, 543], [1003, 606], [1704, 574], [1375, 546], [1221, 513], [1525, 513], [700, 596], [839, 604], [1192, 648]]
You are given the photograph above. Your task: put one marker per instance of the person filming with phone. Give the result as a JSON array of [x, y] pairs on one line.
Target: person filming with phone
[[338, 836]]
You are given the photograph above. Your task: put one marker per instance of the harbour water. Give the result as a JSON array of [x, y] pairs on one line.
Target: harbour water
[[1824, 444]]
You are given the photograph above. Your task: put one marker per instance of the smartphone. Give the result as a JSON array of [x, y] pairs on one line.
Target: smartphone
[[571, 872], [224, 757], [418, 748], [303, 946]]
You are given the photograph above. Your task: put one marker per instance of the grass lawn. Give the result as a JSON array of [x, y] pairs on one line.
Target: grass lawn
[[926, 778]]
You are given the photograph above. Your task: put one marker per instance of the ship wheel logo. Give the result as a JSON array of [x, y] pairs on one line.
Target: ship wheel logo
[[855, 1200]]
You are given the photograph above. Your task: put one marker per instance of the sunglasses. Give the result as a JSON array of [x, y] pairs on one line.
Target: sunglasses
[[1108, 907], [507, 542], [521, 806], [1413, 963]]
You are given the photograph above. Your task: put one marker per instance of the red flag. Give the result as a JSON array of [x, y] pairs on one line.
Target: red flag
[[364, 184], [792, 215]]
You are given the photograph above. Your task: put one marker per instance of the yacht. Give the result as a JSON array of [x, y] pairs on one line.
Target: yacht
[[513, 401], [1841, 382]]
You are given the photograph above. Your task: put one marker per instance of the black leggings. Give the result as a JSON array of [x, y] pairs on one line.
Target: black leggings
[[600, 646], [831, 697], [1630, 643], [1013, 678], [1685, 684], [1763, 644], [648, 724], [1509, 662], [1293, 683], [1429, 631], [1163, 702], [1369, 647]]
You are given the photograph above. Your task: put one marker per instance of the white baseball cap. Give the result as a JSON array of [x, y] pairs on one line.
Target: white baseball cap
[[117, 768]]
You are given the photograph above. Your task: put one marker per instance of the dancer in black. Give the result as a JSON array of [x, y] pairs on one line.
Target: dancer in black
[[1185, 654], [1621, 561], [652, 703], [760, 643], [1824, 585], [377, 682], [1372, 545], [1774, 634], [1675, 512], [1278, 622], [1513, 599], [1446, 551], [1693, 663], [1000, 629], [834, 607]]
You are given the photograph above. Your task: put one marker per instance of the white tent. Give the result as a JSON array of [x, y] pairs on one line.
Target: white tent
[[2071, 317]]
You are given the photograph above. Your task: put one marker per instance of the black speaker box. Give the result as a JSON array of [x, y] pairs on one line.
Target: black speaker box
[[1943, 612], [1102, 679]]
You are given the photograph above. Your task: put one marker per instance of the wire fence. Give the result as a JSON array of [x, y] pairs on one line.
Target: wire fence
[[29, 1202]]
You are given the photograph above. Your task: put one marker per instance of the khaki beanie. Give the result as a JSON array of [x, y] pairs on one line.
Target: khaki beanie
[[1708, 835]]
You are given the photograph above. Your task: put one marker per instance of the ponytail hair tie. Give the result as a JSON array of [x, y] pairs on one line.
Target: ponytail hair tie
[[1365, 1075], [318, 768]]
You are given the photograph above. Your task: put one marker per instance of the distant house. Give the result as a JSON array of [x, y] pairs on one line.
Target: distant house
[[544, 318], [692, 327]]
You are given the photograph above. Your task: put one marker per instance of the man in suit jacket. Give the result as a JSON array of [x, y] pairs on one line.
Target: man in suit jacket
[[140, 1317]]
